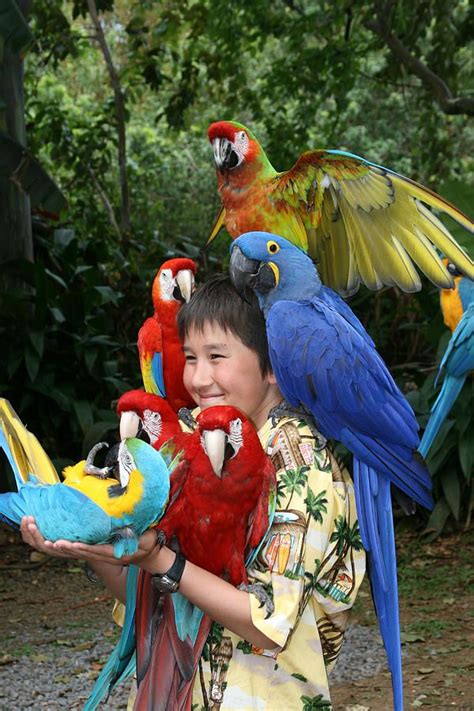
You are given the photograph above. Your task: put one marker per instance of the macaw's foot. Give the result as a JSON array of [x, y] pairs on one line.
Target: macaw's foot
[[125, 542], [91, 469], [284, 409], [186, 417], [160, 537], [262, 596]]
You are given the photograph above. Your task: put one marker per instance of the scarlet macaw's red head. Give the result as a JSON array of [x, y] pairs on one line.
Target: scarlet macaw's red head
[[174, 281], [233, 144], [224, 430], [148, 417]]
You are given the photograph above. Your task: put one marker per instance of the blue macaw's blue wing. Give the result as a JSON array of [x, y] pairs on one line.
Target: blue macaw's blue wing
[[60, 511], [457, 363], [122, 661], [157, 372], [321, 361]]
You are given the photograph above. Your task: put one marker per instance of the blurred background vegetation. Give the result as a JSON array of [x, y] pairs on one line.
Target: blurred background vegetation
[[125, 141]]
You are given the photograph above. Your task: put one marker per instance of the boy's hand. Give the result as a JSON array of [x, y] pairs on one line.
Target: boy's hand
[[100, 552]]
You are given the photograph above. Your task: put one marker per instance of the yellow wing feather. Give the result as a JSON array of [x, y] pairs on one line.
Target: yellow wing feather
[[379, 217], [26, 450]]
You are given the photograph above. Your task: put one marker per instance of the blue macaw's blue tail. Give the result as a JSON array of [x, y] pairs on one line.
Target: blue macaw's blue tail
[[374, 508], [449, 392], [122, 661]]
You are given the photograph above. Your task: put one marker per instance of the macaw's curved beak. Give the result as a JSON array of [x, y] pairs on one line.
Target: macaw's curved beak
[[130, 424], [250, 273], [225, 156], [185, 285], [214, 442]]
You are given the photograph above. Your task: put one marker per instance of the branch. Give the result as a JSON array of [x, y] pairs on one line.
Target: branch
[[381, 25], [107, 204], [120, 116]]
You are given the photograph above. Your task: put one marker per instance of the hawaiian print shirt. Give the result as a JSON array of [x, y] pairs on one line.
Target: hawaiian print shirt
[[312, 565]]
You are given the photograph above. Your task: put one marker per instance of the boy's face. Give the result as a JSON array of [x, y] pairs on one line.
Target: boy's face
[[221, 370]]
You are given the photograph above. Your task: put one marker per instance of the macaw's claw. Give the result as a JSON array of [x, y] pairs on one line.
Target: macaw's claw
[[187, 418], [262, 596], [284, 409]]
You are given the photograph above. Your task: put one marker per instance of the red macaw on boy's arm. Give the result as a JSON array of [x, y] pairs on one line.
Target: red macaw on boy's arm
[[159, 346], [221, 505]]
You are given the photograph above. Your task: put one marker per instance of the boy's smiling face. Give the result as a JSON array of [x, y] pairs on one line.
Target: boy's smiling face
[[221, 370]]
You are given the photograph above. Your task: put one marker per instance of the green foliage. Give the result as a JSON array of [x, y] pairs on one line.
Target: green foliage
[[301, 75]]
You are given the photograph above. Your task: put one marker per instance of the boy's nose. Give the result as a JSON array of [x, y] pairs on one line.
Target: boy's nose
[[201, 376]]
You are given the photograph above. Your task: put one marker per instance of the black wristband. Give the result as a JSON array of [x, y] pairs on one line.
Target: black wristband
[[169, 581]]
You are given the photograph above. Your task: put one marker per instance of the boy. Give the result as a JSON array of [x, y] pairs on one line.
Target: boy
[[312, 562]]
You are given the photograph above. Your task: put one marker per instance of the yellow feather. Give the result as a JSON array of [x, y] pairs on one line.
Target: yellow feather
[[98, 489], [28, 453], [218, 224]]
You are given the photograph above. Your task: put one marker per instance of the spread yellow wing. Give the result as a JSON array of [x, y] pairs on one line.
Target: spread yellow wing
[[366, 223], [25, 454]]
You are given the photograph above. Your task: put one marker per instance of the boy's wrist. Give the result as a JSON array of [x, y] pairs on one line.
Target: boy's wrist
[[159, 561]]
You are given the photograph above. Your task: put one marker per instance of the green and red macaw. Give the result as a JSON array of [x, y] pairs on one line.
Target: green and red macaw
[[148, 417], [360, 221], [222, 502], [159, 346]]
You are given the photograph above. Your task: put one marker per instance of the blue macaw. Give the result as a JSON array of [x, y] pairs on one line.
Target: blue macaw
[[458, 360], [326, 363], [90, 506]]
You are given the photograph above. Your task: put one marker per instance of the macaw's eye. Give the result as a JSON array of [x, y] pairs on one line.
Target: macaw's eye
[[273, 247], [242, 135], [452, 269]]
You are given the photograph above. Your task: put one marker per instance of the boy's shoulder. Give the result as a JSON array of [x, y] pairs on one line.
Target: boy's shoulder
[[291, 443]]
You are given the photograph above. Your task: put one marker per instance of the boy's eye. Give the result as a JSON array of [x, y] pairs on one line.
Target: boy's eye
[[188, 357]]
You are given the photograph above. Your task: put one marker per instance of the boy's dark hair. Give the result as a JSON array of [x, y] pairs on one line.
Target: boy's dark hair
[[218, 301]]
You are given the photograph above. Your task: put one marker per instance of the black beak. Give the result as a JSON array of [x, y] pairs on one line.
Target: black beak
[[111, 460], [250, 273], [224, 154]]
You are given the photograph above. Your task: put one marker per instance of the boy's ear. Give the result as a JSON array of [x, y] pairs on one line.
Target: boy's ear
[[271, 378]]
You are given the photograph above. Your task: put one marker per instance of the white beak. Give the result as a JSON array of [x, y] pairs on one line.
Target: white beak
[[214, 442], [129, 424], [185, 281]]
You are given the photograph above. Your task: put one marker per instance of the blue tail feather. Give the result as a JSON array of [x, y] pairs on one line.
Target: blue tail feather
[[122, 661], [440, 410], [374, 507]]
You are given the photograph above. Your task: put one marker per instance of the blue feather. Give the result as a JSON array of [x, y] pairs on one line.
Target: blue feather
[[324, 359]]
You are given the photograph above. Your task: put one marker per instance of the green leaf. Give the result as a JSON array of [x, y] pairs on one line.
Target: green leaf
[[58, 315], [84, 414], [437, 520], [108, 295], [37, 339], [32, 362], [452, 490], [466, 453]]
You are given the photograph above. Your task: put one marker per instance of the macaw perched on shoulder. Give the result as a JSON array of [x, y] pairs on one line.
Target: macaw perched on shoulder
[[325, 362], [26, 455], [148, 417], [221, 505], [159, 347], [90, 506], [457, 306], [360, 221]]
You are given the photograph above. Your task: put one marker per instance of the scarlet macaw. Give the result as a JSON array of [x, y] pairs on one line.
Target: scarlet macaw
[[326, 362], [159, 346], [147, 417], [222, 502], [457, 306], [359, 220], [90, 506]]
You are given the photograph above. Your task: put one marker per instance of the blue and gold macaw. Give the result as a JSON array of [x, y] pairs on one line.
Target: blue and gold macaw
[[92, 507], [326, 363], [457, 306]]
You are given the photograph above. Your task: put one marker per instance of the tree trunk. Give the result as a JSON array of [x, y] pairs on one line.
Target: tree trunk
[[15, 216]]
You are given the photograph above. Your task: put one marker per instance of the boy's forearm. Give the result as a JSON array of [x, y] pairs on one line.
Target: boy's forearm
[[113, 577], [220, 600]]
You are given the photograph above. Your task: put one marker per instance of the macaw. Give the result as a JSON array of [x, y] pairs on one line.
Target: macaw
[[326, 363], [92, 507], [457, 306], [360, 221], [159, 347], [222, 502], [147, 417], [22, 449]]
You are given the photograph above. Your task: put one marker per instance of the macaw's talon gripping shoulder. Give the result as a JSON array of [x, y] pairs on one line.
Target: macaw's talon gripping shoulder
[[262, 596], [284, 409]]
